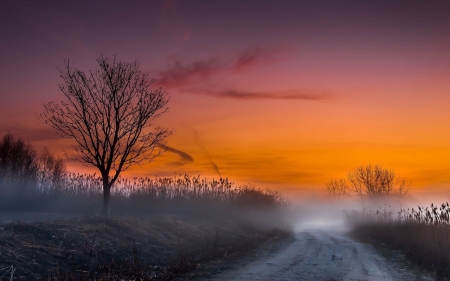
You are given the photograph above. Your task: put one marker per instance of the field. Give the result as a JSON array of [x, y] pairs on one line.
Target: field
[[91, 248], [160, 228]]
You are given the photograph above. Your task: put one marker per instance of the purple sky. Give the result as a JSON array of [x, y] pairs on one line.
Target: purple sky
[[253, 84]]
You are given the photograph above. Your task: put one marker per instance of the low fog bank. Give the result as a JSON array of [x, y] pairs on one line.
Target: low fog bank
[[316, 212], [299, 213], [34, 207]]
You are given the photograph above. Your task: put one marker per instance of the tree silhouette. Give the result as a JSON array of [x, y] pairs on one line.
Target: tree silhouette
[[109, 114], [18, 163], [337, 188], [23, 169], [376, 181], [368, 181]]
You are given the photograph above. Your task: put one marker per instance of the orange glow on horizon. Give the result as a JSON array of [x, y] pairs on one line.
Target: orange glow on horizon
[[303, 94]]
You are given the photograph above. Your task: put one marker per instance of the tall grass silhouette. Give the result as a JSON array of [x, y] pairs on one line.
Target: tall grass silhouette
[[170, 188], [423, 233]]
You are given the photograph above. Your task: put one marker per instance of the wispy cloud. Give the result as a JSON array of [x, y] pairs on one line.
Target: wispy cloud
[[205, 151], [254, 56], [182, 75], [191, 77], [184, 157], [200, 144], [179, 75], [291, 95]]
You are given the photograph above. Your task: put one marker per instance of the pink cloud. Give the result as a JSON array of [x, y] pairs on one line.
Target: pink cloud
[[181, 75]]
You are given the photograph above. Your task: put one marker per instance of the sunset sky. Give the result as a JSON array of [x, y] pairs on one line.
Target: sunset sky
[[279, 94]]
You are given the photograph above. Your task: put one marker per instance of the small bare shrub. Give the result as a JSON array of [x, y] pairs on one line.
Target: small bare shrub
[[337, 188]]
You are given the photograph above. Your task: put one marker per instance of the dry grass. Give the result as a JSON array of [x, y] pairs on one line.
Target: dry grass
[[200, 220], [423, 233], [84, 192], [162, 227], [172, 188], [92, 248]]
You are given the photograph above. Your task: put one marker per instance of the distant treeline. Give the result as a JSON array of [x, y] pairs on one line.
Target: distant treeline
[[26, 174], [22, 167]]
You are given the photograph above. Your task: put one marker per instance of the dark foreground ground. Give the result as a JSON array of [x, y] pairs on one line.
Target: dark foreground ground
[[319, 255], [159, 247]]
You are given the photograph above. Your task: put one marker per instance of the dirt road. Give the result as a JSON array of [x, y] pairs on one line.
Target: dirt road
[[321, 255]]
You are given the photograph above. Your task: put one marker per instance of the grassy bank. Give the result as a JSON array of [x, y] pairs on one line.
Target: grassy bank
[[160, 228], [423, 234], [159, 247]]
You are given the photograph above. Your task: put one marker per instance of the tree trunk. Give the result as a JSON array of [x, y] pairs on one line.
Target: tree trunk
[[106, 196]]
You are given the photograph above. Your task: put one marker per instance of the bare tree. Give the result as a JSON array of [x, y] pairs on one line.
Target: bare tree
[[109, 114], [337, 188], [368, 181], [376, 181]]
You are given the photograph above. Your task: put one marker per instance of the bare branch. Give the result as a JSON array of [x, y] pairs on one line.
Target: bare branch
[[376, 181], [337, 188], [109, 114]]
